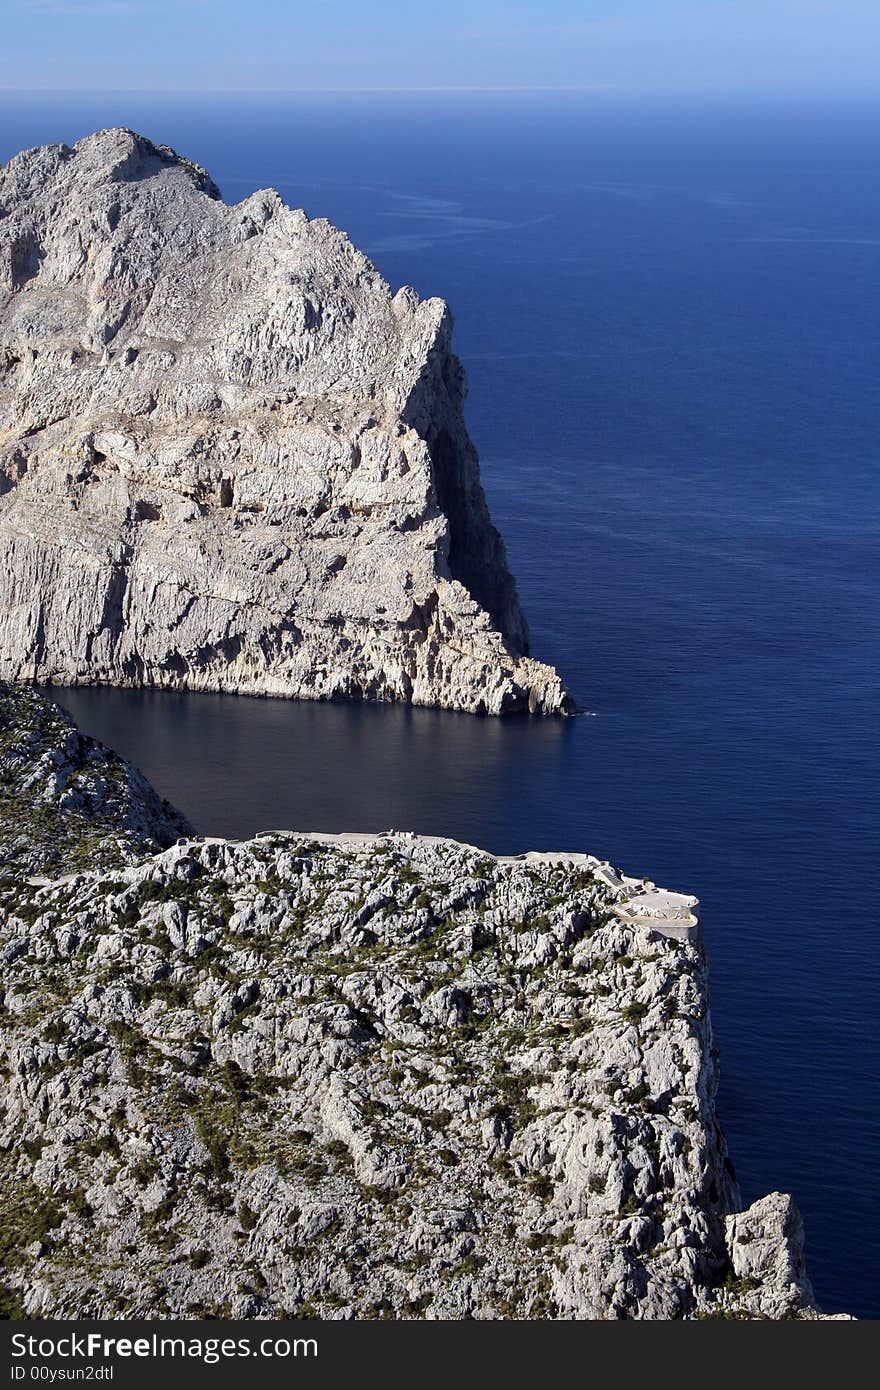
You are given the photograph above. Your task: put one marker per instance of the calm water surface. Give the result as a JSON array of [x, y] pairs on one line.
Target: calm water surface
[[669, 321]]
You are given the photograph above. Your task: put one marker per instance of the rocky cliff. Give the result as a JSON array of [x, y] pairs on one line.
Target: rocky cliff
[[361, 1077], [66, 802], [230, 457]]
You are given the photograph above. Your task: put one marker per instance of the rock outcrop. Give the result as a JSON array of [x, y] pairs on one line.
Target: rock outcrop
[[366, 1077], [66, 802], [230, 457]]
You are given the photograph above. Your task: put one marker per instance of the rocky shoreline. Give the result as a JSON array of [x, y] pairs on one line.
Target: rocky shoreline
[[350, 1076]]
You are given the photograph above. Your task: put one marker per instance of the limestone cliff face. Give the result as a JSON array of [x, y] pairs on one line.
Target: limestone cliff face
[[230, 458], [66, 802], [357, 1076]]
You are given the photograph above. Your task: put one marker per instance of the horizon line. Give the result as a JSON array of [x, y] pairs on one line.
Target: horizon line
[[291, 91], [593, 88]]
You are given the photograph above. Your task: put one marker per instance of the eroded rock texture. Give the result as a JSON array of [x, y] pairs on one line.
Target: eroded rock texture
[[230, 458], [66, 802], [365, 1077]]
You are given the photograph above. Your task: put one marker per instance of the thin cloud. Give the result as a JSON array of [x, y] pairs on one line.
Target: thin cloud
[[78, 7]]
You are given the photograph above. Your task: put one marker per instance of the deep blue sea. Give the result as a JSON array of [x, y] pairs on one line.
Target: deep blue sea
[[668, 314]]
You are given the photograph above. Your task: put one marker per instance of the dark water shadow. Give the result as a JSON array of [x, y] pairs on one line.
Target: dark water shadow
[[237, 765]]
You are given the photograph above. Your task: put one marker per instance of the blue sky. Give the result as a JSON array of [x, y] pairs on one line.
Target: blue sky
[[789, 46]]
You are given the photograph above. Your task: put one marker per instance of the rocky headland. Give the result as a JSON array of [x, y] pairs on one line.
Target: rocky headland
[[230, 457], [334, 1077]]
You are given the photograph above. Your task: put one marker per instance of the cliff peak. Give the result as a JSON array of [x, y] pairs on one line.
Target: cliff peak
[[230, 457]]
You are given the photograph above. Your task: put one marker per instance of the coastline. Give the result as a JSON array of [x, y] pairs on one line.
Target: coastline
[[301, 1038]]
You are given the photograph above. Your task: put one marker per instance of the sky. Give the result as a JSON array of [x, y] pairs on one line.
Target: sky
[[793, 47]]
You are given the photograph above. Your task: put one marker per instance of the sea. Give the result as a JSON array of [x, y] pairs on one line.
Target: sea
[[668, 315]]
